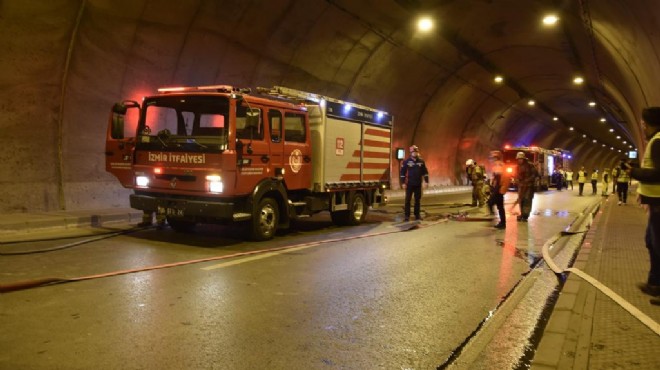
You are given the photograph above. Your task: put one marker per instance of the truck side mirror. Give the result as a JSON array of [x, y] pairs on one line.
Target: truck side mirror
[[117, 129], [118, 114]]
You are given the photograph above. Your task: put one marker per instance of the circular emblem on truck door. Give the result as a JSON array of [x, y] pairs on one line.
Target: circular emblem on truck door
[[295, 160]]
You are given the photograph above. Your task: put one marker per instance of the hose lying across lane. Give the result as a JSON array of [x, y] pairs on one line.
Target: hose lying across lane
[[22, 285], [634, 311]]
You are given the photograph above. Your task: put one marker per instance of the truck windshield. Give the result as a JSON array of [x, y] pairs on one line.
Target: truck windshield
[[193, 123]]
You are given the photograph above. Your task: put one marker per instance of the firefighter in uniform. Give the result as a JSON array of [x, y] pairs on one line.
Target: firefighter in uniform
[[649, 195], [476, 176], [526, 178], [499, 186], [413, 173]]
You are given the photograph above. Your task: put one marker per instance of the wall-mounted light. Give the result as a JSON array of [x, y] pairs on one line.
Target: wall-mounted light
[[498, 79], [578, 80], [592, 103], [571, 128], [531, 102], [611, 130], [603, 119]]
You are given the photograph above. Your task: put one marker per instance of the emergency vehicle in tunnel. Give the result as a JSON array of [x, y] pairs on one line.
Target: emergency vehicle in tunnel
[[546, 162], [220, 154]]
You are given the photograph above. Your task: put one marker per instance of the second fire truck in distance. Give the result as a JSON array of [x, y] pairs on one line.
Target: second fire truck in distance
[[546, 162]]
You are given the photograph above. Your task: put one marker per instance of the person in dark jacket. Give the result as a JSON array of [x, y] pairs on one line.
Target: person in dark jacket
[[649, 196], [413, 173]]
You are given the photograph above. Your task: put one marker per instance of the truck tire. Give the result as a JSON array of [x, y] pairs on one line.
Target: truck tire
[[354, 215], [181, 226], [265, 220]]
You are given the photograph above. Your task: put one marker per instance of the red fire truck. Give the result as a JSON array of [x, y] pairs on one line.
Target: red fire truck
[[545, 160], [220, 154]]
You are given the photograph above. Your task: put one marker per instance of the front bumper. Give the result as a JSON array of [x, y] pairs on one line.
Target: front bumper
[[200, 210]]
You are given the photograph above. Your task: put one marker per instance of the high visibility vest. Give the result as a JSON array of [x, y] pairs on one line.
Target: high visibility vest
[[649, 190], [594, 176], [582, 176], [623, 177]]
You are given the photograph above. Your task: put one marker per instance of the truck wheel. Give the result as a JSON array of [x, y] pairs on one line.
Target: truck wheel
[[354, 215], [181, 226], [357, 209], [264, 222]]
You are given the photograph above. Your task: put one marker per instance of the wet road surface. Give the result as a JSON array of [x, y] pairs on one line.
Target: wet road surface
[[370, 296]]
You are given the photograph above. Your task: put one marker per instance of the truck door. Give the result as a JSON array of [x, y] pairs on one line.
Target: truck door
[[297, 151], [250, 140], [120, 141], [276, 131]]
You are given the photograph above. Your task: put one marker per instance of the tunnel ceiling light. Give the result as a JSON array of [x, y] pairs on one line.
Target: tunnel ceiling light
[[611, 148], [531, 102], [555, 118], [592, 104], [584, 136], [550, 19], [498, 79], [603, 144], [611, 130], [578, 80], [571, 128], [603, 119], [625, 142], [425, 24], [618, 137], [594, 140]]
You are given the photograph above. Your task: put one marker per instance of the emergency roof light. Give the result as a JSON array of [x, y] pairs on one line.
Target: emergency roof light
[[215, 88]]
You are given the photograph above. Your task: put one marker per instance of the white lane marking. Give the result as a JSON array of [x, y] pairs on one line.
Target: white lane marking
[[254, 258]]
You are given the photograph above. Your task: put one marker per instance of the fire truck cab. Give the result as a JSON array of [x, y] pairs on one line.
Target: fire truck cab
[[219, 154]]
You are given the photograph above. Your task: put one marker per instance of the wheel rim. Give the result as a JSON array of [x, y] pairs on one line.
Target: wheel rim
[[267, 219], [358, 208]]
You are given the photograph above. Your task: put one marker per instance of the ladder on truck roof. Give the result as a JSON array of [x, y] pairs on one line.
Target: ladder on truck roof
[[303, 96]]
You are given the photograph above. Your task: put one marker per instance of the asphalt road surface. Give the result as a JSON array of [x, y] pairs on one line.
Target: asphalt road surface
[[319, 296]]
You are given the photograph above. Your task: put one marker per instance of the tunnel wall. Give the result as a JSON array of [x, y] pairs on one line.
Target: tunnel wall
[[66, 62]]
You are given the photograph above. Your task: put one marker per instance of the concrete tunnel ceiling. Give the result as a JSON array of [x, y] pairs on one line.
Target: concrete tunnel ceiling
[[66, 62]]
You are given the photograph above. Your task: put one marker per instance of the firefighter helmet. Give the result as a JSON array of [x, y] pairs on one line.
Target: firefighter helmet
[[495, 154], [520, 155], [469, 162]]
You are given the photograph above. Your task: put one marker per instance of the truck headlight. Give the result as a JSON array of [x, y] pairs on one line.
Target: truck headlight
[[215, 183], [142, 181]]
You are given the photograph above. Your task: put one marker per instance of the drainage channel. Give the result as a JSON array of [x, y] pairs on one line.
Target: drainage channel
[[523, 311]]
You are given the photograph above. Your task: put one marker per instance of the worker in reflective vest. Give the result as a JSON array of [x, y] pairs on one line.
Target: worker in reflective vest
[[594, 181], [582, 179], [649, 195]]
